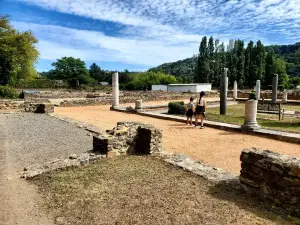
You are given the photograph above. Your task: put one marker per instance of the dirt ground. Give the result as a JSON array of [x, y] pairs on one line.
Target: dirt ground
[[144, 190], [215, 147]]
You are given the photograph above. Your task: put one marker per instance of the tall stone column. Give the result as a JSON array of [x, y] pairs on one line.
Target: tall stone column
[[226, 85], [115, 89], [235, 90], [223, 92], [274, 88], [250, 122], [257, 89]]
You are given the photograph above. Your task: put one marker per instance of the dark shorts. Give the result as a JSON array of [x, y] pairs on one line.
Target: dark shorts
[[200, 110], [189, 113]]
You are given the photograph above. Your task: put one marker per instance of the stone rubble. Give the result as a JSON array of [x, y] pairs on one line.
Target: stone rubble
[[129, 138]]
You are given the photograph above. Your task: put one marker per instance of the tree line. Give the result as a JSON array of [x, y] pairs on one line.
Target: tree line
[[246, 65]]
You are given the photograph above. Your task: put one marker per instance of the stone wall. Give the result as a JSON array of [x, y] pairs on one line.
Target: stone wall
[[57, 94], [11, 105], [295, 95], [129, 138], [272, 177], [131, 97], [39, 107]]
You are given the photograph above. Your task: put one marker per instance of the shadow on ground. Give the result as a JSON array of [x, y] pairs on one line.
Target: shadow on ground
[[231, 190]]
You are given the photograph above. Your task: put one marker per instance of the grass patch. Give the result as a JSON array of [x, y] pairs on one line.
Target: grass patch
[[235, 115], [144, 190]]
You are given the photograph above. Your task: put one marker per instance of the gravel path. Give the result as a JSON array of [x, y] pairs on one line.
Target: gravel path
[[27, 139]]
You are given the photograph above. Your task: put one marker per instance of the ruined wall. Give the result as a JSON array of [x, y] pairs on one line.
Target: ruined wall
[[272, 177], [129, 138], [11, 105], [131, 97], [39, 107], [295, 95]]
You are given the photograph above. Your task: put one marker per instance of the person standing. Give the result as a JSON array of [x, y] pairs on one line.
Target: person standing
[[190, 111], [200, 109]]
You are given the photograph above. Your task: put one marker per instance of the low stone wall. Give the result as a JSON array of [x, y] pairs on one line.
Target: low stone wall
[[39, 107], [131, 97], [129, 138], [295, 95], [272, 177], [11, 105], [58, 164], [57, 94]]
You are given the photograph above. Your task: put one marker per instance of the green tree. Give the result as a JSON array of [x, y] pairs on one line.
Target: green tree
[[240, 76], [71, 70], [280, 69], [18, 53], [249, 65], [202, 70], [97, 73], [269, 68], [260, 61]]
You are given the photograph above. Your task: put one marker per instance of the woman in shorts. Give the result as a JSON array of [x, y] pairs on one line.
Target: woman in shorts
[[200, 109]]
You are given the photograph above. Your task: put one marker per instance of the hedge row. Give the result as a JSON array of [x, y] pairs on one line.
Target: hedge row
[[40, 83], [176, 108]]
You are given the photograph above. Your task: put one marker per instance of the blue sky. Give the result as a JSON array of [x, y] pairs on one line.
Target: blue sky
[[140, 34]]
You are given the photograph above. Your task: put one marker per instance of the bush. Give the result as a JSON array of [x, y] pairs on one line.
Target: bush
[[252, 95], [39, 83], [176, 108], [8, 92]]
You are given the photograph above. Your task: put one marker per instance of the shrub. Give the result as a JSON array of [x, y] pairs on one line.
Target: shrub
[[39, 83], [176, 108], [252, 95], [8, 92]]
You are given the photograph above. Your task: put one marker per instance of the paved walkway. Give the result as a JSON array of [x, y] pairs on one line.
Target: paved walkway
[[215, 147]]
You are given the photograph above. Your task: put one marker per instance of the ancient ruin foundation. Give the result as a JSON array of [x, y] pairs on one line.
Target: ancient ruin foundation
[[272, 177], [129, 138]]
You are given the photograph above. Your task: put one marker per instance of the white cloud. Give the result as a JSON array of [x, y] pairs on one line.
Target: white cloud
[[158, 31], [57, 41]]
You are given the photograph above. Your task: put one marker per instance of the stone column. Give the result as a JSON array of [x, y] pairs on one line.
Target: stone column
[[223, 92], [274, 88], [235, 90], [115, 89], [250, 115], [138, 104], [257, 89], [226, 85], [284, 97]]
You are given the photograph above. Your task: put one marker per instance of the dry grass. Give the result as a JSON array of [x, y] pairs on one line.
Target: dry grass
[[144, 190]]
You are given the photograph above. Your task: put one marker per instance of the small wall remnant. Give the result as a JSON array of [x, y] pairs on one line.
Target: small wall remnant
[[272, 177], [129, 138], [39, 107]]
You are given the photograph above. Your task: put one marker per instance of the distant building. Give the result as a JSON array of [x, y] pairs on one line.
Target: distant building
[[159, 87], [104, 83], [189, 87]]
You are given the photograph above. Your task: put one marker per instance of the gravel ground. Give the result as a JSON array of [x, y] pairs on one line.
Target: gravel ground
[[28, 139], [34, 138]]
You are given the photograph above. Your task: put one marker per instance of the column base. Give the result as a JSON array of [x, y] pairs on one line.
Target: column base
[[249, 126]]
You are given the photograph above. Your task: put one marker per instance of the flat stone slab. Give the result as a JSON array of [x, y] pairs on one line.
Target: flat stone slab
[[57, 164]]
